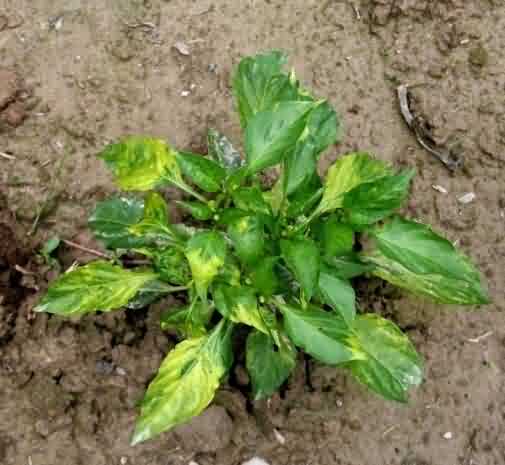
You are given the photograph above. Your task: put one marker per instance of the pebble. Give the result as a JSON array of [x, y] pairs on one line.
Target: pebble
[[280, 438], [182, 48], [103, 367], [440, 189], [256, 461], [469, 197], [448, 435]]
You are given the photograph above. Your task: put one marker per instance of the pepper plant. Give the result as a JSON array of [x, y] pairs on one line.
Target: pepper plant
[[279, 261]]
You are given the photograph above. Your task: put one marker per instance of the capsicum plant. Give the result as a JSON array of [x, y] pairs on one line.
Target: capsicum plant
[[279, 261]]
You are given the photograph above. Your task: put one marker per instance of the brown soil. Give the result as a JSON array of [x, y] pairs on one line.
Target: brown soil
[[84, 73]]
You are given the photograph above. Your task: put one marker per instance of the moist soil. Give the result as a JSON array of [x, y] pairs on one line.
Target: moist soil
[[77, 74]]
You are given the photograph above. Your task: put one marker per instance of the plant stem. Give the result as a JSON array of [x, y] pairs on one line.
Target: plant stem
[[86, 249]]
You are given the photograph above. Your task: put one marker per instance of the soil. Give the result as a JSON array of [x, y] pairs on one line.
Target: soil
[[76, 74]]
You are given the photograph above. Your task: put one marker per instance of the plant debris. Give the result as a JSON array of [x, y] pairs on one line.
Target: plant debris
[[422, 131]]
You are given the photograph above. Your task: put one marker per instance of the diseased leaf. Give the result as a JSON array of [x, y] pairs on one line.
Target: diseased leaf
[[371, 202], [171, 265], [112, 218], [206, 253], [410, 255], [198, 210], [141, 163], [239, 304], [324, 335], [349, 266], [259, 83], [154, 228], [230, 272], [247, 235], [336, 238], [268, 365], [272, 134], [96, 286], [186, 382], [347, 173], [263, 276], [391, 365], [149, 293], [250, 199], [223, 152], [205, 173], [302, 258], [190, 321], [338, 293]]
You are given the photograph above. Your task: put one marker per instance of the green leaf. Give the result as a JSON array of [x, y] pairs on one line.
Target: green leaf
[[206, 253], [303, 201], [272, 134], [186, 382], [205, 173], [371, 202], [222, 151], [239, 304], [141, 163], [322, 130], [268, 365], [171, 265], [97, 286], [248, 237], [112, 218], [336, 238], [198, 210], [263, 276], [324, 335], [259, 83], [154, 228], [410, 255], [250, 199], [301, 165], [391, 365], [302, 258], [347, 173], [190, 321], [338, 293], [349, 266]]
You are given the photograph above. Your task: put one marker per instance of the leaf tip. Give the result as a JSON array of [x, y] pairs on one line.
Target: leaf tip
[[140, 434]]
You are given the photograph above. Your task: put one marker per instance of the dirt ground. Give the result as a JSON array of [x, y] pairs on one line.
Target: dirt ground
[[76, 74]]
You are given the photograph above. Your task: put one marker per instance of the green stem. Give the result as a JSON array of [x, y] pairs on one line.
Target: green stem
[[183, 186]]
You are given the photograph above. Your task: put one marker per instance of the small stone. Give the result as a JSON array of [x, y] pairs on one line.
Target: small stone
[[14, 115], [10, 85], [448, 435], [256, 461], [120, 371], [478, 56], [193, 463], [467, 198], [241, 375], [123, 460], [185, 93], [182, 48], [208, 432], [103, 367], [280, 438]]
